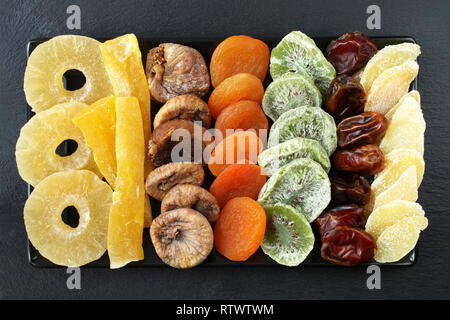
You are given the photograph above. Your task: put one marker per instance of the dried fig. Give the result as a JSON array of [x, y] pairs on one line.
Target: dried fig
[[173, 70], [162, 142], [183, 238], [191, 196], [162, 179], [185, 107]]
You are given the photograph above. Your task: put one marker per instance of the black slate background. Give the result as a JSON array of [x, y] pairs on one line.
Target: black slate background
[[427, 21]]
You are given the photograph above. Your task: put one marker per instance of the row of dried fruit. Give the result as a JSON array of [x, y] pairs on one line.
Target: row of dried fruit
[[235, 104], [373, 144]]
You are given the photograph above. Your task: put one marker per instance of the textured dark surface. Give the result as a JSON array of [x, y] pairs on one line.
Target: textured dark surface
[[427, 22]]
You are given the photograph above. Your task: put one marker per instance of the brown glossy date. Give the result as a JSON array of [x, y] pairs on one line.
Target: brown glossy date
[[347, 187], [347, 215], [350, 52], [345, 98], [362, 129], [346, 246], [366, 160]]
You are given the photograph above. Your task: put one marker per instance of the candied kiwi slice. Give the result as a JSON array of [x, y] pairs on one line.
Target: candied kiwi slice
[[289, 238], [290, 91], [298, 53], [183, 238], [191, 196], [272, 159], [311, 123], [302, 184], [164, 178]]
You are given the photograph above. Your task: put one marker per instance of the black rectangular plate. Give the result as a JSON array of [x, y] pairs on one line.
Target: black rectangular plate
[[206, 47]]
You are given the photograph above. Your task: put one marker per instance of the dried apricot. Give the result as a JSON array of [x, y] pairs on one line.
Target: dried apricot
[[238, 180], [241, 86], [240, 229], [245, 115], [236, 148], [239, 54]]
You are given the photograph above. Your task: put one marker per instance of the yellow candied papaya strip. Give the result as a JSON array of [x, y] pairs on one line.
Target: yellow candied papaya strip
[[123, 61], [126, 218], [98, 125]]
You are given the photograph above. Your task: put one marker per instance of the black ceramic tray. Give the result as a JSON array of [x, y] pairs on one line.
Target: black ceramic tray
[[206, 47]]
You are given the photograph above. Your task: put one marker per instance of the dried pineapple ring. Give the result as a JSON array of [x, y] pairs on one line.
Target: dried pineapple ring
[[35, 149], [47, 64], [55, 240]]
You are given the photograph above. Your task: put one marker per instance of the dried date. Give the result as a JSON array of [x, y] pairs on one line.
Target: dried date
[[347, 187], [346, 246], [366, 160], [350, 52], [345, 98], [362, 129], [348, 215]]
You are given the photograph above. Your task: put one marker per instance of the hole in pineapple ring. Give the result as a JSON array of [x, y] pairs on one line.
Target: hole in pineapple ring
[[66, 148], [73, 80], [70, 216]]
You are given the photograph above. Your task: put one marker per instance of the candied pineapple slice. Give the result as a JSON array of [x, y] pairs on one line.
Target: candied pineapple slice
[[397, 240], [388, 57], [405, 188], [397, 162], [98, 124], [390, 86], [39, 138], [412, 94], [406, 129], [126, 218], [43, 82], [388, 214], [57, 241], [123, 61]]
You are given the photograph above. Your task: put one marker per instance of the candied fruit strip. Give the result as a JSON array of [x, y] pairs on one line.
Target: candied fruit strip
[[98, 125], [123, 62], [126, 218]]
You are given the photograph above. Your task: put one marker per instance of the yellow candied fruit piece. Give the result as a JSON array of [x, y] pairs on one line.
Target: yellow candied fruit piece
[[98, 124], [388, 214], [43, 82], [388, 57], [406, 129], [412, 94], [123, 62], [404, 189], [390, 86], [57, 241], [126, 219], [396, 162], [39, 138], [397, 240]]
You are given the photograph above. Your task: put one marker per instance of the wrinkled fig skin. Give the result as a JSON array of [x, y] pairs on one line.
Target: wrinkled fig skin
[[185, 107], [161, 144], [164, 178], [191, 196], [173, 70], [183, 238]]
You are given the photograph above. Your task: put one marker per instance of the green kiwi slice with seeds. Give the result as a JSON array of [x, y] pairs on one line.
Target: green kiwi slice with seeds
[[302, 184], [289, 238], [288, 92], [272, 159], [311, 123], [298, 54]]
